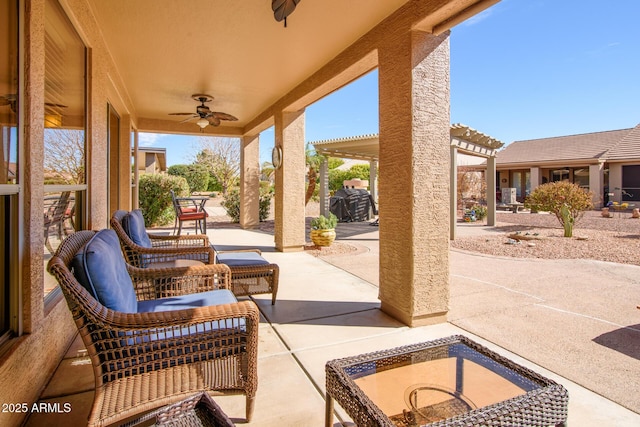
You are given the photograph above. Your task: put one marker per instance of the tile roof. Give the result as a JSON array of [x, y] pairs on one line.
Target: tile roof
[[628, 148], [573, 147]]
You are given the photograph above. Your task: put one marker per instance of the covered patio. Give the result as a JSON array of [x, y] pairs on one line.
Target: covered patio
[[97, 72], [329, 310]]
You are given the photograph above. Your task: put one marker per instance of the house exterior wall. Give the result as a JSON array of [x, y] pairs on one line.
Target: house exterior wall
[[30, 359]]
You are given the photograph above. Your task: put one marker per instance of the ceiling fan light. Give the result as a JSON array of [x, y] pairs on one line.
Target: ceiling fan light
[[203, 123]]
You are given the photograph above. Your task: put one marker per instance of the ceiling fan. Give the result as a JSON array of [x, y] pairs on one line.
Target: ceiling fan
[[206, 116], [10, 99]]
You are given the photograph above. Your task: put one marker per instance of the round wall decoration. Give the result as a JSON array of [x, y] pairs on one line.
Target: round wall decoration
[[276, 157]]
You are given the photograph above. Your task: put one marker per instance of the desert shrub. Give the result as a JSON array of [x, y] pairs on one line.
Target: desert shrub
[[155, 198], [197, 176], [231, 203], [480, 212], [565, 200]]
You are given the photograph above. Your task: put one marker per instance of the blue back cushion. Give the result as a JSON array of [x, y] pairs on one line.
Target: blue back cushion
[[100, 268], [133, 225]]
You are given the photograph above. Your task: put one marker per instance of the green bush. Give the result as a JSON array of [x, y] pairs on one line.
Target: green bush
[[565, 200], [214, 185], [197, 176], [155, 198], [337, 177], [231, 203]]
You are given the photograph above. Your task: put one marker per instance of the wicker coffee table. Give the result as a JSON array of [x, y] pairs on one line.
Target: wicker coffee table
[[448, 382]]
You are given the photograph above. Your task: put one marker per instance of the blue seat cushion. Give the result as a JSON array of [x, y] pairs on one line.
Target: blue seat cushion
[[133, 225], [100, 268], [202, 299], [241, 259]]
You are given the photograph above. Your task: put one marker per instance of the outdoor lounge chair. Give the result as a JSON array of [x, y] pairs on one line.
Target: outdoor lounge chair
[[144, 250], [146, 351], [251, 274]]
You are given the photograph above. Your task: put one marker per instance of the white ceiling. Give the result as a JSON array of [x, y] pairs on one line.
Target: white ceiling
[[167, 50]]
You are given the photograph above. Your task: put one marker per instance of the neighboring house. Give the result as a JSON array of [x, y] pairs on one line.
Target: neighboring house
[[605, 163], [152, 160]]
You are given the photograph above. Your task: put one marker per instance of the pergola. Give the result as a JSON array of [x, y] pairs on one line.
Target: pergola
[[464, 140]]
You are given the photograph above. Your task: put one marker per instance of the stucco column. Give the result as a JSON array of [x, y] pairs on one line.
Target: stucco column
[[323, 191], [250, 181], [414, 177], [373, 180], [596, 184], [290, 182], [490, 179], [615, 182], [535, 177]]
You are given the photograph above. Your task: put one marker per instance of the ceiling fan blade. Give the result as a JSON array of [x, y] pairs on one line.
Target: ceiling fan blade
[[283, 8], [223, 116], [188, 119], [181, 114], [214, 121]]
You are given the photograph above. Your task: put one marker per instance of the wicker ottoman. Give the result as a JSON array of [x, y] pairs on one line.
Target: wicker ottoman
[[250, 273]]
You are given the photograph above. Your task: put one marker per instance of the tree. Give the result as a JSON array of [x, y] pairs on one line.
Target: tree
[[221, 157], [313, 161], [64, 156], [565, 200], [197, 175]]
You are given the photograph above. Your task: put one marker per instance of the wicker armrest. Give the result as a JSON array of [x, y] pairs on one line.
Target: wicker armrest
[[152, 283], [179, 241], [205, 254]]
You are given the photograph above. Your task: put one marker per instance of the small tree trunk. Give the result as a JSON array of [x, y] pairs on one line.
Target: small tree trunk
[[313, 178]]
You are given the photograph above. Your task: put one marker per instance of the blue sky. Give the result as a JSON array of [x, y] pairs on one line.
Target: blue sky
[[523, 69]]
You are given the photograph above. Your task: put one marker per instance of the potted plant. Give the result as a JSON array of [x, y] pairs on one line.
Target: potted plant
[[323, 230]]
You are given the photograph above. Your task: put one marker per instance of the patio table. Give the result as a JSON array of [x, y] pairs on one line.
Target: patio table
[[447, 382]]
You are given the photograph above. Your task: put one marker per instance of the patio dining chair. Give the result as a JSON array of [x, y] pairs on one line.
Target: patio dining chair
[[251, 273], [147, 351], [188, 210], [55, 208]]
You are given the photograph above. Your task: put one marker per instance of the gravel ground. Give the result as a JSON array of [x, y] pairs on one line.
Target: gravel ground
[[614, 239]]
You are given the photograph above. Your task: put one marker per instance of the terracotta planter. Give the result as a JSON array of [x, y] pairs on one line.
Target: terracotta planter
[[323, 237]]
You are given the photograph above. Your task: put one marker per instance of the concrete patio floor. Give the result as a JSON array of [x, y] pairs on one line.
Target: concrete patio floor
[[324, 311]]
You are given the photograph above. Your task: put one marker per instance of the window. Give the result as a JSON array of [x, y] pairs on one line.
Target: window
[[581, 177], [9, 167], [64, 134], [630, 183], [560, 175]]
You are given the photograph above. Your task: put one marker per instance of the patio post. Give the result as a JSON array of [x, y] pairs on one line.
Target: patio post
[[324, 186], [490, 179], [414, 176], [290, 180], [250, 181], [596, 183]]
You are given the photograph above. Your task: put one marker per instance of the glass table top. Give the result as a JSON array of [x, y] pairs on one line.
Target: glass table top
[[437, 383]]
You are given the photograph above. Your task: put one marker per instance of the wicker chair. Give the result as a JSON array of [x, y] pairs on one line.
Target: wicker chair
[[251, 274], [143, 250], [157, 355]]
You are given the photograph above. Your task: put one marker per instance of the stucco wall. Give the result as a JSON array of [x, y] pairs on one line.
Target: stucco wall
[[30, 360]]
